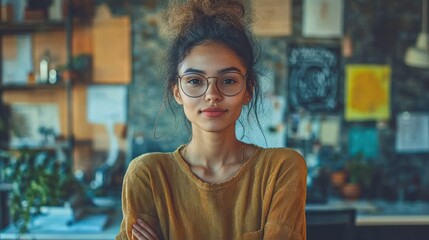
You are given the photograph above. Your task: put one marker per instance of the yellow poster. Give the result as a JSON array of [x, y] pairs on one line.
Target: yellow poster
[[367, 92]]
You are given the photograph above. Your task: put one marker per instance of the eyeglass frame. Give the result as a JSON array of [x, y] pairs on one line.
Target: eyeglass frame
[[179, 78]]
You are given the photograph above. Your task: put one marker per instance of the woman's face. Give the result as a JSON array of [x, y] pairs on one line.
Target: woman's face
[[213, 111]]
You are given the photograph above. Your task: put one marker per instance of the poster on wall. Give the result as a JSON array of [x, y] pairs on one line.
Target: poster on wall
[[330, 127], [34, 124], [273, 17], [367, 92], [17, 59], [107, 103], [412, 134], [313, 78], [323, 18], [305, 130], [363, 140], [303, 126]]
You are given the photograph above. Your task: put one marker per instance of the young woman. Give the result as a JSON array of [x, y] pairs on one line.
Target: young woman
[[214, 187]]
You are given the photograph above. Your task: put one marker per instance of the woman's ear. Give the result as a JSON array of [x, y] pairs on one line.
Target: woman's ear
[[247, 98], [176, 94], [249, 93]]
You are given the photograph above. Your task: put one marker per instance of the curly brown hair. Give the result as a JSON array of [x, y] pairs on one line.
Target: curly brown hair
[[200, 21], [181, 16]]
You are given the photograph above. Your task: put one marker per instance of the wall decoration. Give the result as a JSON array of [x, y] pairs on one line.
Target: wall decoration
[[330, 127], [303, 131], [271, 117], [273, 17], [17, 58], [302, 126], [367, 92], [363, 140], [323, 18], [412, 134], [34, 124], [313, 78], [107, 103]]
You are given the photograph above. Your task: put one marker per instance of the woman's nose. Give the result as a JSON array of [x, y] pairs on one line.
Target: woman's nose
[[213, 94]]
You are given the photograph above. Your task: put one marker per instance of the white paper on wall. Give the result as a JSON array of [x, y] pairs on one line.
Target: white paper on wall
[[330, 131], [323, 18], [412, 134], [107, 103]]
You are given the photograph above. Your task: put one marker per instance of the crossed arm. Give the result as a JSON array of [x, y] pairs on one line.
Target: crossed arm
[[143, 231]]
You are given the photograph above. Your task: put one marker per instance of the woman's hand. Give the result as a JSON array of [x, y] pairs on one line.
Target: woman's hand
[[142, 231]]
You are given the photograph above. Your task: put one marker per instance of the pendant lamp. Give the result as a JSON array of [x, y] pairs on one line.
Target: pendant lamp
[[418, 56]]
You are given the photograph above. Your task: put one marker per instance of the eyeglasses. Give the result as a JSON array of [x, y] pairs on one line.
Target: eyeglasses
[[195, 85]]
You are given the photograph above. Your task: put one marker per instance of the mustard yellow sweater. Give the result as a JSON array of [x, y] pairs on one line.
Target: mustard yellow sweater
[[264, 200]]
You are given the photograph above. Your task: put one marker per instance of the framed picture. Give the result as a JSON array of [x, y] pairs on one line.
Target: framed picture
[[34, 124], [313, 78], [412, 134], [367, 92]]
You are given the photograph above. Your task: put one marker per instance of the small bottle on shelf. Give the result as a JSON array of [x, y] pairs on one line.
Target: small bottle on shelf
[[45, 75], [44, 67]]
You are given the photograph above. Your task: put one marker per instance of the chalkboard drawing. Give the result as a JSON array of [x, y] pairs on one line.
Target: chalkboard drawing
[[313, 78], [367, 92]]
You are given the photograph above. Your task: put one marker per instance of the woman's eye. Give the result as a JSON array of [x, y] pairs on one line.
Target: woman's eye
[[194, 81], [229, 81]]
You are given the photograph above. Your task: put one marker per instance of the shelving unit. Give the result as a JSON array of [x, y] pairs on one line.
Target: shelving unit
[[84, 38], [34, 91]]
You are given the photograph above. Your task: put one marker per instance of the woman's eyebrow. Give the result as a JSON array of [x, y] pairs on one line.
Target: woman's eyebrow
[[224, 70], [229, 69], [193, 70]]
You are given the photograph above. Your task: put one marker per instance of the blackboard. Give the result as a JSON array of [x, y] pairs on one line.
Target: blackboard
[[313, 78]]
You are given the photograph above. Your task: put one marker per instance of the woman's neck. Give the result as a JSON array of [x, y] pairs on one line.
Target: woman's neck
[[214, 162], [213, 150]]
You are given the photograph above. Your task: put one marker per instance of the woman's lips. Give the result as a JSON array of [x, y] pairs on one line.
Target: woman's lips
[[213, 112]]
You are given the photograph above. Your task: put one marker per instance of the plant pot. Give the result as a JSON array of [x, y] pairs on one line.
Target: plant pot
[[338, 178], [351, 191]]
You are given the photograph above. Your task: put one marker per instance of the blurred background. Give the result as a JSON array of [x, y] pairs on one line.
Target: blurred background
[[344, 82]]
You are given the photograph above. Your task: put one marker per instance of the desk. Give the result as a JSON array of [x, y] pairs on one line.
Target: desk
[[109, 232], [370, 214], [379, 220], [379, 213]]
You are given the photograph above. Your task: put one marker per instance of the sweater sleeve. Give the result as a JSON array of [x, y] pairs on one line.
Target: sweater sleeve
[[137, 199], [286, 214]]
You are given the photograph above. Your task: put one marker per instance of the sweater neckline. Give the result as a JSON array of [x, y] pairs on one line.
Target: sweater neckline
[[212, 186]]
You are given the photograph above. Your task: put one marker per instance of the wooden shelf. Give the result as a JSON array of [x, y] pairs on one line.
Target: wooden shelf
[[46, 148], [29, 27], [30, 87]]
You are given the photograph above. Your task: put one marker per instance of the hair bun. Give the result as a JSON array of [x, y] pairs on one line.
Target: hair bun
[[182, 16]]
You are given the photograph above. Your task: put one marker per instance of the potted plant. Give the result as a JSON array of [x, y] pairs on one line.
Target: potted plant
[[338, 174], [38, 179], [359, 176]]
